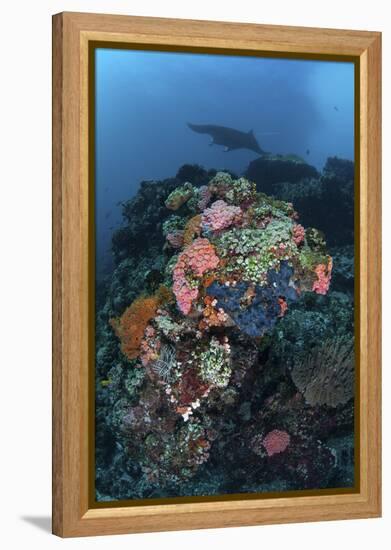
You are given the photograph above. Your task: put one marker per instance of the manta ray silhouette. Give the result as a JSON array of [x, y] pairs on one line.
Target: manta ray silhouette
[[229, 137]]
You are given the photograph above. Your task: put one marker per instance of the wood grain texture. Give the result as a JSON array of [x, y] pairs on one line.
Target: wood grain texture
[[71, 35]]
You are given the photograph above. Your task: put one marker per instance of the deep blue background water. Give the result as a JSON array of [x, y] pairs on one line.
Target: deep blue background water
[[145, 99]]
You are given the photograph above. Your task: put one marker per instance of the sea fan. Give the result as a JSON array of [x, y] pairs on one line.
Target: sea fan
[[326, 376]]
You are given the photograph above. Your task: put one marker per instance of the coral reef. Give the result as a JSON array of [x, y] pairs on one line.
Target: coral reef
[[225, 335]]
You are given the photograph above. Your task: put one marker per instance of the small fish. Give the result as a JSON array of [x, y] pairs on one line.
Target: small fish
[[308, 152], [336, 108], [108, 214]]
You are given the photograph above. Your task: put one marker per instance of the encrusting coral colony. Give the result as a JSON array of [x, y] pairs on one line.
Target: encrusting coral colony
[[193, 380]]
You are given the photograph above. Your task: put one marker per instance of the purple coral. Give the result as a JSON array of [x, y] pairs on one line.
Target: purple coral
[[220, 216], [204, 197], [175, 238]]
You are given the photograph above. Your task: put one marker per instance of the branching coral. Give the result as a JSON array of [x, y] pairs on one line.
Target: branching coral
[[326, 376]]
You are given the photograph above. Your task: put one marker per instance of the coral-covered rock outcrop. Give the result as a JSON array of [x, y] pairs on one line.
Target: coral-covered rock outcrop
[[213, 375]]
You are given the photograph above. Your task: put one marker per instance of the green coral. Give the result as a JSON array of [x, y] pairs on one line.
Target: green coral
[[241, 190], [221, 178], [167, 326], [179, 196], [215, 364], [134, 380], [173, 223], [169, 269], [267, 207], [252, 252]]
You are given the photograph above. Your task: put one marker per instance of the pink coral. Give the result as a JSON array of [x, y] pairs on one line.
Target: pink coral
[[298, 234], [323, 272], [175, 238], [220, 216], [150, 346], [276, 441], [193, 262]]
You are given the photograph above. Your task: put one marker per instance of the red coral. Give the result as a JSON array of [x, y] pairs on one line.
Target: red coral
[[189, 389], [276, 441], [323, 272], [298, 234], [283, 306]]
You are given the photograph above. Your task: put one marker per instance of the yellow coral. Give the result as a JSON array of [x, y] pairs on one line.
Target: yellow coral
[[192, 229], [164, 295]]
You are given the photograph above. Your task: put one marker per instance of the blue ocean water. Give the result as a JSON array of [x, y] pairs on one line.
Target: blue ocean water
[[145, 99]]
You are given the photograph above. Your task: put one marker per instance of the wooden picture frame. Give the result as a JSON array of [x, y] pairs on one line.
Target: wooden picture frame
[[72, 286]]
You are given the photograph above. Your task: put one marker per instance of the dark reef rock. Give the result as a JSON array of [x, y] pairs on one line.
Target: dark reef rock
[[323, 200], [326, 203], [141, 233], [268, 170]]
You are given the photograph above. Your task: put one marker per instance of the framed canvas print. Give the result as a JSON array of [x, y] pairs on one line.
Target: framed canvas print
[[216, 233]]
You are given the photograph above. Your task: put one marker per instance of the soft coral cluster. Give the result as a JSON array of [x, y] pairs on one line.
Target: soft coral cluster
[[323, 273], [220, 215], [193, 262], [131, 325]]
